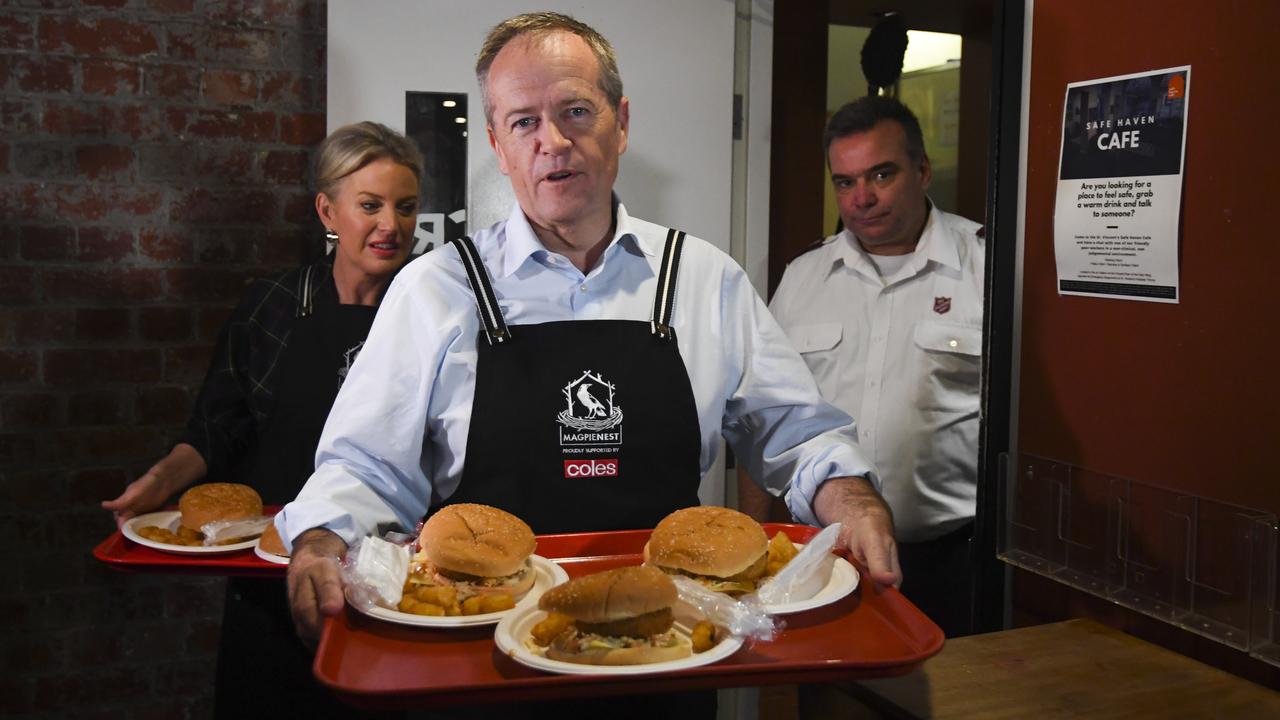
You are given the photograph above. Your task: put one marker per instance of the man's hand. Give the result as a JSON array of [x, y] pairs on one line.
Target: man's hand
[[315, 588], [867, 525], [181, 467]]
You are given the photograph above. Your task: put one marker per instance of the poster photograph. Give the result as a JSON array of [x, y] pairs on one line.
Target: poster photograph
[[1120, 186]]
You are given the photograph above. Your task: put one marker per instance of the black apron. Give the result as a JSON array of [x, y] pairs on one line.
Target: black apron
[[263, 669], [323, 342], [580, 425]]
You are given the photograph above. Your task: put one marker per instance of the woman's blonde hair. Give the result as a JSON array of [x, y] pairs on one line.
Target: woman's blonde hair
[[353, 146]]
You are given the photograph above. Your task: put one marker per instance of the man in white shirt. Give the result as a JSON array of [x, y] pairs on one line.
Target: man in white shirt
[[888, 316], [572, 364]]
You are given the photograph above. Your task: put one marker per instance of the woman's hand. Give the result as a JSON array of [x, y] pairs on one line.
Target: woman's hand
[[179, 469]]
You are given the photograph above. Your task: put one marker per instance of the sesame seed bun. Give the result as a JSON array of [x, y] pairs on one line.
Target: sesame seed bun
[[477, 540], [616, 594], [621, 616], [711, 541], [212, 502]]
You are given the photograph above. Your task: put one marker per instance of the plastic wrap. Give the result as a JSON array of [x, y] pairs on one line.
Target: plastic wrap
[[373, 573], [222, 531], [806, 573], [743, 618]]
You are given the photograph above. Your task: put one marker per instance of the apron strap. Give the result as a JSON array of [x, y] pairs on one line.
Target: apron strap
[[495, 327], [304, 307], [665, 299]]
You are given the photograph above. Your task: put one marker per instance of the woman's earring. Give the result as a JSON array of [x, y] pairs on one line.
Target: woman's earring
[[330, 241]]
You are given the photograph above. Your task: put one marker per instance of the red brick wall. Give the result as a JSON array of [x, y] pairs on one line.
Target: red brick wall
[[153, 157]]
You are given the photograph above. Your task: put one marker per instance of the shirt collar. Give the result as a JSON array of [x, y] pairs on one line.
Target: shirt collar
[[523, 243], [935, 245]]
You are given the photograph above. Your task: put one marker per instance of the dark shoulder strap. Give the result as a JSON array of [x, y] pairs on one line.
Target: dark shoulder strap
[[808, 249], [665, 298], [486, 301], [304, 307]]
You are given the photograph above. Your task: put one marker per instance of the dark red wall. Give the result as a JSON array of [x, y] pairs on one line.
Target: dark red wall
[[153, 157], [1181, 396]]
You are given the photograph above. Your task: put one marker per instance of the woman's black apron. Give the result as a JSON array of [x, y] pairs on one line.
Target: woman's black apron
[[263, 669], [578, 426]]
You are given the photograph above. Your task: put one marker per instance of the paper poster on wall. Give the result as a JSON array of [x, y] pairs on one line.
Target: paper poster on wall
[[1115, 224]]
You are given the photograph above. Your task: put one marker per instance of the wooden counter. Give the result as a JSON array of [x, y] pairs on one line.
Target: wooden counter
[[1077, 668]]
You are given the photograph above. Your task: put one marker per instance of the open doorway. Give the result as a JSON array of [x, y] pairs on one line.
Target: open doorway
[[816, 70]]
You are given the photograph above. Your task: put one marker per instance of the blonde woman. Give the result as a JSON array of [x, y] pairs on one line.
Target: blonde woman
[[275, 372]]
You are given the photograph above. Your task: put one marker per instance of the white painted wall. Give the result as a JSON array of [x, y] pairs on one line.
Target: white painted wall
[[676, 58]]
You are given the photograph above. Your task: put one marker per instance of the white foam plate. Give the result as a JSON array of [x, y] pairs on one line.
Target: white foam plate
[[843, 580], [269, 556], [546, 576], [168, 519], [514, 638]]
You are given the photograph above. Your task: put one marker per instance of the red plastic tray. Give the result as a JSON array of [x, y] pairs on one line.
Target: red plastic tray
[[121, 553], [367, 662]]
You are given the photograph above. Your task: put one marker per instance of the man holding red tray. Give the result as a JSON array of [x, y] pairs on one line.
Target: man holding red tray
[[573, 365]]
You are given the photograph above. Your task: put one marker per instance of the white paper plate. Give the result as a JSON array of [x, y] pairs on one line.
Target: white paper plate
[[843, 580], [516, 628], [168, 519], [269, 556], [546, 576]]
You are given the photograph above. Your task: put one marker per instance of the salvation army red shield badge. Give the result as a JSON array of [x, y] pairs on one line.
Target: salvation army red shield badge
[[942, 305]]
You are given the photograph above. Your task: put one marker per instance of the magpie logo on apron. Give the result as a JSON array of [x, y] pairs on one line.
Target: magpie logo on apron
[[348, 358], [590, 427]]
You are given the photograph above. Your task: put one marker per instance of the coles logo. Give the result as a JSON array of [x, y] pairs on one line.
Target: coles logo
[[607, 467]]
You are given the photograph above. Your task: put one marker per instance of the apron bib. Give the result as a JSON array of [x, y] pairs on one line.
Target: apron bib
[[323, 342], [580, 425], [263, 669]]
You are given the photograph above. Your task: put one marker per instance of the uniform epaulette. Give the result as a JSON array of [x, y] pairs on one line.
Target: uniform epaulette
[[809, 248]]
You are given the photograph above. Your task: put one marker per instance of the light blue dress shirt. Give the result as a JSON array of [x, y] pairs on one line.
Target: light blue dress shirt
[[397, 434]]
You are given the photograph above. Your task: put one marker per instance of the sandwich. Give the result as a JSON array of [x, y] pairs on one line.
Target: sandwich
[[270, 542], [621, 616], [723, 549], [477, 550], [218, 502]]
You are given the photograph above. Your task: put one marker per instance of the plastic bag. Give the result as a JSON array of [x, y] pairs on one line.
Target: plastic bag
[[220, 531], [741, 618], [373, 573], [806, 573]]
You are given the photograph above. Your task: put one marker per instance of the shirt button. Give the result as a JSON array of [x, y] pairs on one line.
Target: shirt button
[[953, 343], [583, 288]]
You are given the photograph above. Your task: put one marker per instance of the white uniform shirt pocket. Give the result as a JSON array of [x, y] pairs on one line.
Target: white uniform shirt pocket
[[815, 338], [819, 345], [950, 357]]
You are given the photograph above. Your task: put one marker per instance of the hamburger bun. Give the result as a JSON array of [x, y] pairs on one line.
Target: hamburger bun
[[270, 542], [621, 616], [612, 595], [711, 541], [624, 656], [477, 540], [212, 502]]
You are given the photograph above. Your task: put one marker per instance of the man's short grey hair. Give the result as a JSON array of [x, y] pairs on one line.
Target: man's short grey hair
[[543, 23]]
